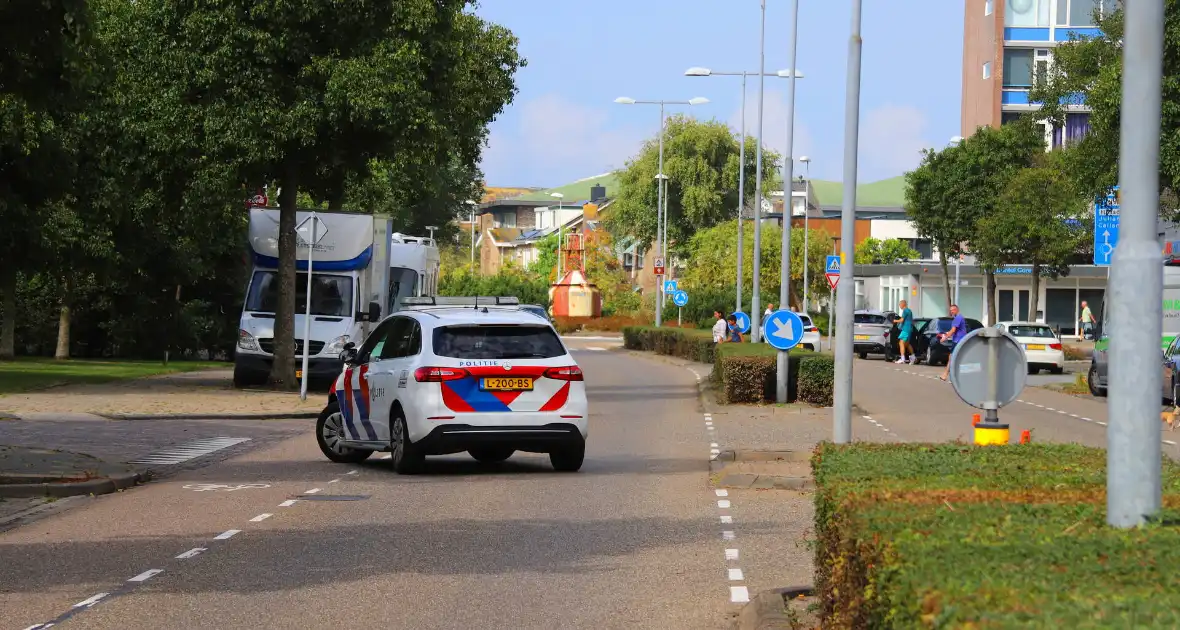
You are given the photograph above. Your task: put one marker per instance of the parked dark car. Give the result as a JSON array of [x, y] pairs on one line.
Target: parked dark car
[[927, 346], [916, 339], [537, 310]]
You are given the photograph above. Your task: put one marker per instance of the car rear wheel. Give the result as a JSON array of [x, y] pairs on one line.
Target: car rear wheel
[[929, 360], [863, 355], [407, 459], [1176, 394], [1057, 370], [491, 454], [568, 458], [329, 428], [1033, 370], [1092, 381]]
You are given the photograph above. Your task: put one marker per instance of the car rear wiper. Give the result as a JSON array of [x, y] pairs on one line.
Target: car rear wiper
[[524, 355]]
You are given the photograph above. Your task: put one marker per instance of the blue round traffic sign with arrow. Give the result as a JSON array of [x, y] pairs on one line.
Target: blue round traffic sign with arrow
[[784, 330], [743, 322], [680, 298]]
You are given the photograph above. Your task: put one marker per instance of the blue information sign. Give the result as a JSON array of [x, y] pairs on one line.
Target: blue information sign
[[1106, 227], [832, 264], [784, 330], [680, 298], [743, 322], [670, 286]]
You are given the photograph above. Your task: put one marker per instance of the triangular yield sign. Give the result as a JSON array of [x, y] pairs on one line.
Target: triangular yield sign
[[833, 279]]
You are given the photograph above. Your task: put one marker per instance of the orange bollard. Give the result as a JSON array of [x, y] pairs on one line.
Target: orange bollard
[[974, 419], [1025, 436]]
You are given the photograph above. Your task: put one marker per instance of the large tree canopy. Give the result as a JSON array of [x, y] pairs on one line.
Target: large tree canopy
[[701, 162]]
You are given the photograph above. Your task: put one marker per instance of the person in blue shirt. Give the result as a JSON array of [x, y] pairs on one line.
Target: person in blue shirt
[[955, 334], [735, 334], [905, 330]]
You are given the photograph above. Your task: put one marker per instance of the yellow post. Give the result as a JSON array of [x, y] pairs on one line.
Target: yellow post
[[990, 434]]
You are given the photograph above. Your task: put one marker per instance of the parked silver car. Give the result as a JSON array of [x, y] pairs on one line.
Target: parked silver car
[[870, 332]]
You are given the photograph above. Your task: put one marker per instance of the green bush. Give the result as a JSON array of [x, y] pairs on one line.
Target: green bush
[[958, 536], [744, 372]]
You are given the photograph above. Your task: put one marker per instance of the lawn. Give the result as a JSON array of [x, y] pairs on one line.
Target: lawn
[[27, 374]]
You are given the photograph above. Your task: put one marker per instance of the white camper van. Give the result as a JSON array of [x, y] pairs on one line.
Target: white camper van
[[361, 270]]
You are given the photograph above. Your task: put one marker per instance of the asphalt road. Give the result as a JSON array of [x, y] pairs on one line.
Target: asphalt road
[[632, 541]]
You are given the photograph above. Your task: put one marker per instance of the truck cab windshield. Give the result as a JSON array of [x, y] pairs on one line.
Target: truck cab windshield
[[330, 295]]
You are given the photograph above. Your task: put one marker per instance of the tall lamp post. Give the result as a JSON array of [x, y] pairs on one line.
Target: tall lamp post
[[557, 219], [661, 211], [806, 230], [784, 291], [706, 72]]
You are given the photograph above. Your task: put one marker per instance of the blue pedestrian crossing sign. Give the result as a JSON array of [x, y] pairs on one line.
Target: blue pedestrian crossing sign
[[670, 286], [743, 322], [832, 264], [784, 330], [680, 298]]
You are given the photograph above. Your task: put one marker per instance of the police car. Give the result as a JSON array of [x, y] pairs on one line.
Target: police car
[[447, 375]]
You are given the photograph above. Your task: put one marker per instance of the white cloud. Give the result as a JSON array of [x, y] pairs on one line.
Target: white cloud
[[553, 141], [774, 122], [891, 141]]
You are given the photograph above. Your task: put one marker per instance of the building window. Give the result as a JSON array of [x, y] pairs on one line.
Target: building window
[[1018, 67], [987, 7], [987, 70], [924, 247], [506, 219], [1078, 13], [1077, 125], [1009, 117], [1027, 13]]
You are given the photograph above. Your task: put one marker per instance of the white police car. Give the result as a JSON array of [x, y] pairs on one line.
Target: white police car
[[447, 375]]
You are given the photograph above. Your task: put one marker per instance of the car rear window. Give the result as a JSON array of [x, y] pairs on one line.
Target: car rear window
[[805, 319], [1039, 332], [942, 324], [500, 341], [869, 318]]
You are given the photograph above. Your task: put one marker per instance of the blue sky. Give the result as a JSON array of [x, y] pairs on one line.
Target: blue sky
[[564, 125]]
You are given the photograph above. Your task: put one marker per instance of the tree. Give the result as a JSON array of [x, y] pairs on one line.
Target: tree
[[712, 260], [701, 162], [1090, 70], [307, 94], [1035, 222], [953, 189], [890, 251]]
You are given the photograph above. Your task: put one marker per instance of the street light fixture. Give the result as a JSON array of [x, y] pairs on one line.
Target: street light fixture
[[557, 219], [661, 211], [707, 72]]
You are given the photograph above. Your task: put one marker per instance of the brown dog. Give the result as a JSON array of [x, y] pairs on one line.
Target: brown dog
[[1171, 418]]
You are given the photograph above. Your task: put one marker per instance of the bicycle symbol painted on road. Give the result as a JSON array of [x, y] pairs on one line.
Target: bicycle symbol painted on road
[[210, 487]]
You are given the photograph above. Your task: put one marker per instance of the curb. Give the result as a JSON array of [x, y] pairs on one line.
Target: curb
[[210, 416], [59, 490], [721, 461], [768, 610]]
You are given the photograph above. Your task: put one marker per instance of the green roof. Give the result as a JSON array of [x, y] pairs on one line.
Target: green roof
[[577, 191], [887, 193]]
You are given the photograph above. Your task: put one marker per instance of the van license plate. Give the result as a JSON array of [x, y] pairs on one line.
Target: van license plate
[[1036, 346], [506, 384], [862, 337]]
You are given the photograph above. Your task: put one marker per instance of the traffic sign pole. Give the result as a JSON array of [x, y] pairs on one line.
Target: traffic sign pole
[[1133, 488]]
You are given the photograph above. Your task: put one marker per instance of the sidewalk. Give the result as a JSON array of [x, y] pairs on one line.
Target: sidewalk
[[193, 394], [31, 477]]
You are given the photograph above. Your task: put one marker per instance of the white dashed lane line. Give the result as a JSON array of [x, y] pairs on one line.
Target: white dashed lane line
[[260, 518], [226, 535], [287, 503], [192, 553], [87, 603], [313, 491], [739, 594], [146, 575]]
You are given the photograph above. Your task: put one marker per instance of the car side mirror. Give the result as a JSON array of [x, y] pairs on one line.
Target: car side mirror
[[374, 311], [348, 354]]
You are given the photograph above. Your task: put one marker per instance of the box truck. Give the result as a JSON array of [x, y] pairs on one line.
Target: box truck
[[361, 270]]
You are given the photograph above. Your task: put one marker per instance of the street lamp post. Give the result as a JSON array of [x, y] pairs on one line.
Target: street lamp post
[[756, 284], [806, 230], [955, 141], [706, 72], [661, 211], [557, 219], [473, 206], [784, 291]]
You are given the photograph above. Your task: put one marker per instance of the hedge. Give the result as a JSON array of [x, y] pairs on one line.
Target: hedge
[[745, 372], [958, 536]]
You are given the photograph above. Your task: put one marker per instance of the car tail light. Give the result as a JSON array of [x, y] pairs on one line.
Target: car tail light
[[812, 328], [438, 374], [567, 373], [1054, 346]]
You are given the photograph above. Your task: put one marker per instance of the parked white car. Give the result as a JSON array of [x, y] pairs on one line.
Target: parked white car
[[1042, 346], [444, 376], [811, 336]]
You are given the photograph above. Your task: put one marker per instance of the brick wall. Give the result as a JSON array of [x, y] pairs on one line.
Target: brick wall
[[983, 40]]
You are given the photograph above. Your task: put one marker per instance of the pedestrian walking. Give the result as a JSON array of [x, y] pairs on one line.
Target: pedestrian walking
[[1087, 321], [953, 336], [905, 330], [720, 329]]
